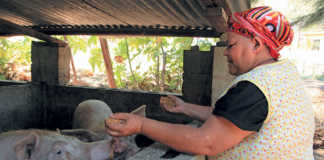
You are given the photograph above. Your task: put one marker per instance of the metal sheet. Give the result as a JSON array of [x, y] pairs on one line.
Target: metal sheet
[[145, 13]]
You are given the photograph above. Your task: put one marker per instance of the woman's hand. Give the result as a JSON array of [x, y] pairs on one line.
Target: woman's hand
[[177, 107], [124, 124]]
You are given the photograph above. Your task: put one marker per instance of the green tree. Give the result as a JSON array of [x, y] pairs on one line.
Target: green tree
[[14, 53], [299, 12], [132, 55], [314, 17]]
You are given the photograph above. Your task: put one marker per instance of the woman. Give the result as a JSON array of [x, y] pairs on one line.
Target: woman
[[264, 114]]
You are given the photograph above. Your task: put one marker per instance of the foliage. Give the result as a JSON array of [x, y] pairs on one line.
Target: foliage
[[314, 17], [299, 12], [205, 43], [96, 59], [320, 77], [83, 44], [137, 61], [146, 53], [14, 53]]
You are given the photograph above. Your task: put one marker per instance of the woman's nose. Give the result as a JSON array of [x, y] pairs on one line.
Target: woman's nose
[[225, 52]]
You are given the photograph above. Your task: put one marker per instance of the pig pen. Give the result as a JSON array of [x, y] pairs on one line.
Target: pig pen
[[47, 103]]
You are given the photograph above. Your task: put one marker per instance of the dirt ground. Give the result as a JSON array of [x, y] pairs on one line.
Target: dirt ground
[[316, 91]]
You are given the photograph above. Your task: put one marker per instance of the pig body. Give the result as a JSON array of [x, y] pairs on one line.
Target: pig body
[[49, 145]]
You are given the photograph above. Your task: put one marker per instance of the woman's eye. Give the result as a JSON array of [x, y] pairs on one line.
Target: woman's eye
[[229, 46]]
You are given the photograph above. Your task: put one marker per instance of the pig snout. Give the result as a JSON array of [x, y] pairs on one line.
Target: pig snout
[[101, 150]]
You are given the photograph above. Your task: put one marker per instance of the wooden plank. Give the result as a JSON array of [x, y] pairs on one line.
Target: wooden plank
[[64, 59], [21, 30]]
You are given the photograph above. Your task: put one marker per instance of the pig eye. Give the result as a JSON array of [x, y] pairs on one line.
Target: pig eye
[[59, 152]]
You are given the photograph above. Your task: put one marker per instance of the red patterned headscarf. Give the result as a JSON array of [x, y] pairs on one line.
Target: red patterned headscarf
[[265, 23]]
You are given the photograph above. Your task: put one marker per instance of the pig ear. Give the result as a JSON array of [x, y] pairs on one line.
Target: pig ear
[[26, 146], [141, 111], [82, 134]]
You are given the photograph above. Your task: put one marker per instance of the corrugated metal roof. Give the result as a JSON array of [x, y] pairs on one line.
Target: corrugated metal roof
[[135, 17]]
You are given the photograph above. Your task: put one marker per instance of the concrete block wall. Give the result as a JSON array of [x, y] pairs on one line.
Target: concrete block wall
[[48, 103], [62, 101], [20, 107]]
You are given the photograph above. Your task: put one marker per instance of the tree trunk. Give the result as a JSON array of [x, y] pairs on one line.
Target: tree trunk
[[157, 75], [163, 68], [130, 64], [108, 64]]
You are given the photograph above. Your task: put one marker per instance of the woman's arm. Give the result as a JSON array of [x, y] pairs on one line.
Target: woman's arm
[[215, 136], [198, 112], [192, 110]]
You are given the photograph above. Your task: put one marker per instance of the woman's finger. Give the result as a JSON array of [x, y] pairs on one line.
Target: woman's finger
[[113, 133], [172, 97], [117, 118]]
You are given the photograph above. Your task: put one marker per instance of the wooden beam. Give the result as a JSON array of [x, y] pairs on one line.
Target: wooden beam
[[29, 32]]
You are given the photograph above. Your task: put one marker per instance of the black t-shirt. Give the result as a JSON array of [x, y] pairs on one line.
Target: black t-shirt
[[244, 105]]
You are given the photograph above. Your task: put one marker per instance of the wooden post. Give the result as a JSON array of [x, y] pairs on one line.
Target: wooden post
[[197, 76], [221, 76], [108, 64], [75, 76], [50, 63]]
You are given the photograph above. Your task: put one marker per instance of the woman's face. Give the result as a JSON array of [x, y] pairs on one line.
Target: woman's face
[[240, 53]]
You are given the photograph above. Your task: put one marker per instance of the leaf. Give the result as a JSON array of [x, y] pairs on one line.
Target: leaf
[[93, 41], [96, 59]]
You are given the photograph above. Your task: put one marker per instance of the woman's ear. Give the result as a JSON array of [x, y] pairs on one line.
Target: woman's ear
[[258, 44]]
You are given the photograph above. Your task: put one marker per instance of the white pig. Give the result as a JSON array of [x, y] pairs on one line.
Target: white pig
[[50, 145]]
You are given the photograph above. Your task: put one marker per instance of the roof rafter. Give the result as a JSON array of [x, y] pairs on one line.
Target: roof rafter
[[14, 28]]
